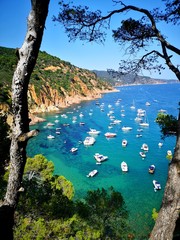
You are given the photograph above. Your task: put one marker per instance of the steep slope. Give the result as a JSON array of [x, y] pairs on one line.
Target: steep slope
[[54, 83]]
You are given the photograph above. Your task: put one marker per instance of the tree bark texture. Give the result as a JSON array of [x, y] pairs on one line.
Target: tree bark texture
[[27, 59], [170, 209]]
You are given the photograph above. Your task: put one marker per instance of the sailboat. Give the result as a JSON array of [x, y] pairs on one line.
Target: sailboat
[[133, 105], [145, 122]]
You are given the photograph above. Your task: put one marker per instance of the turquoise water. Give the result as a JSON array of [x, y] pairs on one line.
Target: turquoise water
[[136, 185]]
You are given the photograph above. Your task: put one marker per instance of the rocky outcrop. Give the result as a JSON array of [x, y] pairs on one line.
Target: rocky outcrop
[[50, 99]]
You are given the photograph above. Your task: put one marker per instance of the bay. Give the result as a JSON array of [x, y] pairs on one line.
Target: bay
[[135, 185]]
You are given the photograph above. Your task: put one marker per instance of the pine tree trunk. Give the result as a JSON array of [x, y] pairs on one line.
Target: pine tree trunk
[[20, 130], [169, 212]]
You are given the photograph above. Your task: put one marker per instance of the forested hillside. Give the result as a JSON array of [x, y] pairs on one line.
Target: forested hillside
[[54, 82]]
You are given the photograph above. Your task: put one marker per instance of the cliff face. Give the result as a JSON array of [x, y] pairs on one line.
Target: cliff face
[[48, 98]]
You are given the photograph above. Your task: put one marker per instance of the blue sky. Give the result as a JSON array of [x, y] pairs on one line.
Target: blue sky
[[13, 21]]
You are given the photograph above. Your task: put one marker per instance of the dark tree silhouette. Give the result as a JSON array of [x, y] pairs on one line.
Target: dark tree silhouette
[[20, 130], [137, 35]]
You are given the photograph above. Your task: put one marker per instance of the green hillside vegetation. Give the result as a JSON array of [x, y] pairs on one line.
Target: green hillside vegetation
[[49, 71], [46, 209]]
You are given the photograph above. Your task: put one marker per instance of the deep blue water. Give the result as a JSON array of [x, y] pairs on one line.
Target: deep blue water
[[136, 185]]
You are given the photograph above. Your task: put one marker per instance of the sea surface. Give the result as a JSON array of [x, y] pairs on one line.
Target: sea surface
[[135, 185]]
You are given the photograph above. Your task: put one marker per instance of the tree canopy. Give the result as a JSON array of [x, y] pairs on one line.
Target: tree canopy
[[168, 124], [137, 35]]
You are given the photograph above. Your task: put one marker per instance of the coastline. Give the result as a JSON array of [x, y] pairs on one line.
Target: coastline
[[76, 100], [66, 104]]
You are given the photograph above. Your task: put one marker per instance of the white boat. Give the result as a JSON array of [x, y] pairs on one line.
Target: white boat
[[139, 130], [162, 111], [92, 173], [73, 149], [89, 141], [50, 124], [138, 119], [126, 128], [141, 112], [124, 166], [64, 115], [145, 122], [81, 115], [50, 136], [100, 157], [124, 142], [160, 144], [145, 147], [157, 185], [110, 135], [116, 121], [148, 104], [138, 135], [169, 153], [133, 105], [151, 168], [93, 132], [142, 154]]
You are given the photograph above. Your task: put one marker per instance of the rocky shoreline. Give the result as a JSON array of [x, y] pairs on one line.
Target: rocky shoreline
[[75, 100]]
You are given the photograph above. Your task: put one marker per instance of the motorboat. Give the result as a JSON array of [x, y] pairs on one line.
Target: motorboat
[[126, 128], [160, 144], [145, 147], [138, 119], [140, 112], [148, 104], [50, 124], [64, 115], [142, 154], [92, 173], [117, 121], [81, 115], [73, 149], [93, 132], [144, 124], [169, 153], [110, 135], [89, 141], [50, 136], [157, 185], [151, 168], [124, 142], [162, 111], [139, 130], [138, 135], [124, 166], [100, 157]]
